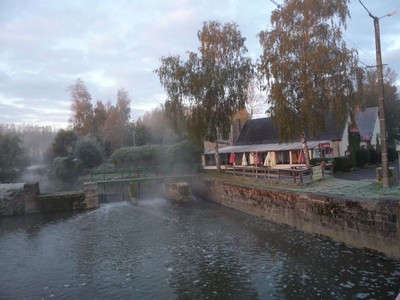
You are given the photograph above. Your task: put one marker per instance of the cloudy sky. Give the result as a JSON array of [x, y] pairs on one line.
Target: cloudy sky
[[45, 45]]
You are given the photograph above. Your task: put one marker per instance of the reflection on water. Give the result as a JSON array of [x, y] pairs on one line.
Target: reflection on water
[[162, 250]]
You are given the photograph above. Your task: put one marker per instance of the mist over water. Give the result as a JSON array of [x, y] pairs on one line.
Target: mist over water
[[157, 249]]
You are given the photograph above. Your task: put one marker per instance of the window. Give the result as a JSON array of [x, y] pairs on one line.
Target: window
[[282, 157]]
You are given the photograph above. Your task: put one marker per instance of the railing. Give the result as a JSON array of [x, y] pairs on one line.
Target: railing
[[129, 182], [297, 175], [143, 173]]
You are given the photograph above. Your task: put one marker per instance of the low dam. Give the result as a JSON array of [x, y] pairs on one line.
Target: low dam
[[25, 198]]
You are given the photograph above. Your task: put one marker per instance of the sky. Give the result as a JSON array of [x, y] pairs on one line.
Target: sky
[[46, 45]]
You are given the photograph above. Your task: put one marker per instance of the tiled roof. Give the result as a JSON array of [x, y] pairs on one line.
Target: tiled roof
[[264, 131], [365, 120]]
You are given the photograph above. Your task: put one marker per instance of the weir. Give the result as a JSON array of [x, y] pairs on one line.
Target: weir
[[133, 184]]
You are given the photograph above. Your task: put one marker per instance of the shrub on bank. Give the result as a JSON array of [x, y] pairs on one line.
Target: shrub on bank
[[156, 155], [65, 169], [342, 163], [362, 157], [89, 152]]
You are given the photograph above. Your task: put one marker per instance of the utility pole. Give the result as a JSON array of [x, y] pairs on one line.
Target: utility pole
[[381, 100], [381, 104]]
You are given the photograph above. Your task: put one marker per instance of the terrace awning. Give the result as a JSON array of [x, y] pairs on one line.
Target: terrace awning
[[268, 147]]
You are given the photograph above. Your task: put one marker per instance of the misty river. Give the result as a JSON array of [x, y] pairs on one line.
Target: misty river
[[157, 249]]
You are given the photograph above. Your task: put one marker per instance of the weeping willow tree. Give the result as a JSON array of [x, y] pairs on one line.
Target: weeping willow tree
[[308, 67], [210, 86]]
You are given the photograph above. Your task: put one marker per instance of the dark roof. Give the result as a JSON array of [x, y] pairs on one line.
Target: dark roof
[[365, 120], [264, 131]]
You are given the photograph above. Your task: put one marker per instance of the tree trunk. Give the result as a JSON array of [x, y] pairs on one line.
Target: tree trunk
[[217, 162], [305, 148]]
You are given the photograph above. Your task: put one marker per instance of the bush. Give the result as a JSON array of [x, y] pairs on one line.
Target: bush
[[362, 157], [183, 153], [157, 155], [318, 161], [142, 156], [374, 157], [392, 154], [65, 169], [342, 163], [89, 152]]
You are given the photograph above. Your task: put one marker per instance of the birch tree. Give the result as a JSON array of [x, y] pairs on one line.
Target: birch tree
[[81, 108], [309, 69], [211, 85]]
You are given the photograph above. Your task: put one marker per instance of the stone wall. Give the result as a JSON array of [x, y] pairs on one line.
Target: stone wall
[[178, 191], [91, 195], [11, 199], [31, 190], [69, 201], [20, 199], [361, 223]]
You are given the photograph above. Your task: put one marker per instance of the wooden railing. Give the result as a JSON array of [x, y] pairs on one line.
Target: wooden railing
[[297, 175]]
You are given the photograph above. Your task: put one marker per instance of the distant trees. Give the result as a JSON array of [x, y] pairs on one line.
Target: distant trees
[[35, 140], [115, 129], [108, 123], [12, 158], [210, 86], [308, 67]]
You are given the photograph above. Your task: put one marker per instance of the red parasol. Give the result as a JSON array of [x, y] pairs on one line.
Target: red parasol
[[256, 159], [301, 157], [232, 158]]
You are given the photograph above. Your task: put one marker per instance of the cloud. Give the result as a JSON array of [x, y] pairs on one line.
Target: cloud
[[47, 45]]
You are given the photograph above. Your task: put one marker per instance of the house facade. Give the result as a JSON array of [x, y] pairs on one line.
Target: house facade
[[258, 143]]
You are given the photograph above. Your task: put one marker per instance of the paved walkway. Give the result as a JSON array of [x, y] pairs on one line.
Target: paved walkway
[[365, 174]]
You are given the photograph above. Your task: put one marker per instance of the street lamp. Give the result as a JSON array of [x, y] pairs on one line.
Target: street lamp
[[381, 100]]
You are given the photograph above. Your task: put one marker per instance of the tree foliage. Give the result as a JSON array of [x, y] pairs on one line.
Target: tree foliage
[[370, 98], [35, 140], [89, 152], [12, 159], [81, 108], [115, 128], [65, 169], [307, 65], [210, 86], [64, 142]]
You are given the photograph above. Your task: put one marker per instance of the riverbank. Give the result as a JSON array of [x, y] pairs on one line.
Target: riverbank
[[361, 214]]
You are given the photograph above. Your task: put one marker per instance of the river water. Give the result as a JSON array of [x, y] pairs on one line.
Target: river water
[[158, 249]]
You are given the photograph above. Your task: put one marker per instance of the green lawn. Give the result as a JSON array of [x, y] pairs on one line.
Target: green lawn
[[333, 186]]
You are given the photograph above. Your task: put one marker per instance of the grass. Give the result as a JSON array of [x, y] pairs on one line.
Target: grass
[[331, 186]]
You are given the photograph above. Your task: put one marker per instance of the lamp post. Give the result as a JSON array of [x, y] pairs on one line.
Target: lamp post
[[381, 100]]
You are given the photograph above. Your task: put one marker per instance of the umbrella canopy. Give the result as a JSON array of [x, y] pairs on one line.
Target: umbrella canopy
[[244, 160], [301, 159], [232, 158], [251, 159], [267, 161], [256, 159]]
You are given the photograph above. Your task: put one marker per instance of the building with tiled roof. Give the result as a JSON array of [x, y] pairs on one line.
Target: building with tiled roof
[[260, 137]]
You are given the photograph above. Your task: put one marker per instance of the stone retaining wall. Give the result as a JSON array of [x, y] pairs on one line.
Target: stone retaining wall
[[361, 223]]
